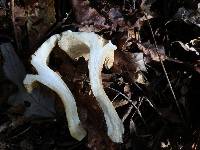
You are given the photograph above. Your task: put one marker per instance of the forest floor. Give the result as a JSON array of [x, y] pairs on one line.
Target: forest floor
[[153, 85]]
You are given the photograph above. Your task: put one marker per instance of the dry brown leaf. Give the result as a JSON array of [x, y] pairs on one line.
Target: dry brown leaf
[[152, 52], [88, 17], [40, 18], [132, 63]]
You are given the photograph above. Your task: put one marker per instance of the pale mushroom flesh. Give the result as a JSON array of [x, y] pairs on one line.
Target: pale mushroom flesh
[[99, 52]]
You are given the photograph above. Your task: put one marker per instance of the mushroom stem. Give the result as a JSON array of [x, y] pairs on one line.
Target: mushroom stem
[[100, 52], [52, 80], [114, 123]]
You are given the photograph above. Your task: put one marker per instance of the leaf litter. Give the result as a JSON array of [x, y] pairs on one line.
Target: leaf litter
[[142, 95], [40, 104]]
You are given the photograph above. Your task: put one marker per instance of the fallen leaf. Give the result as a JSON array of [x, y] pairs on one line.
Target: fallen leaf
[[37, 103], [133, 63], [127, 90], [88, 17], [192, 16], [195, 43], [120, 103], [152, 52], [183, 52], [146, 6], [186, 47], [40, 18], [139, 61], [13, 67], [116, 18], [85, 14]]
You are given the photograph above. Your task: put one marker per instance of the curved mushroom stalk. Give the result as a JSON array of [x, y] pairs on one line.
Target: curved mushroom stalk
[[114, 124], [101, 51], [52, 80]]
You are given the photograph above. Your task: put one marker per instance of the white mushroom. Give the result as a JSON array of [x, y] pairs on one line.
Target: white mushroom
[[52, 80], [99, 51]]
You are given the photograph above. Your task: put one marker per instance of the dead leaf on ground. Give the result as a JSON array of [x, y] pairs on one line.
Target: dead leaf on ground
[[39, 102], [152, 52], [88, 17], [12, 66], [40, 18], [186, 47], [189, 15], [132, 63], [184, 52]]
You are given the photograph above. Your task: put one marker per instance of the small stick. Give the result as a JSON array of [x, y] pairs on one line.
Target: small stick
[[165, 72], [12, 7], [129, 100]]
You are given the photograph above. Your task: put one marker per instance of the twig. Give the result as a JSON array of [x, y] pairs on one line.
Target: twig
[[140, 102], [127, 113], [165, 72], [129, 100], [21, 133], [115, 97], [12, 6]]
